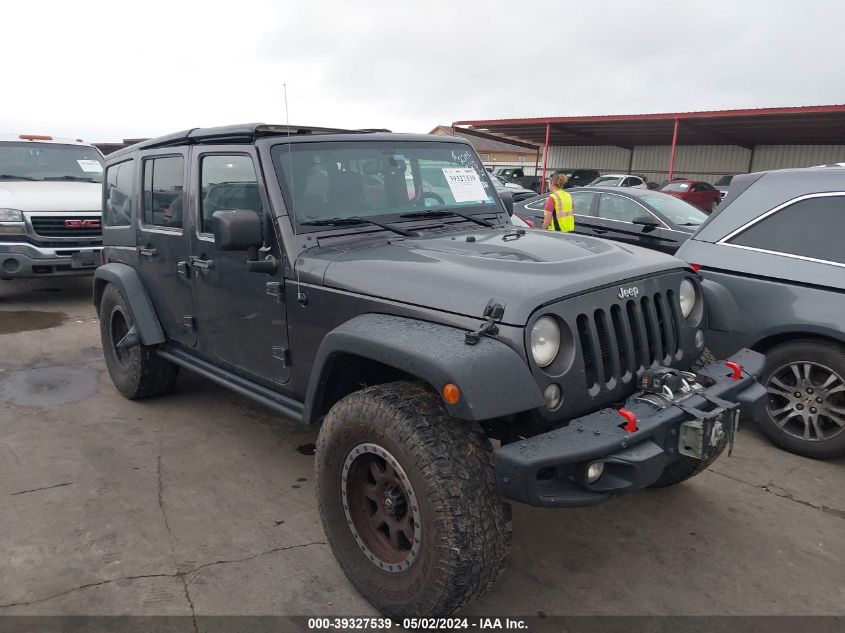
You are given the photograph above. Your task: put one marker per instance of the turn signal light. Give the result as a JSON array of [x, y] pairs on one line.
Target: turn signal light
[[35, 137], [630, 420], [736, 369], [695, 267], [451, 393]]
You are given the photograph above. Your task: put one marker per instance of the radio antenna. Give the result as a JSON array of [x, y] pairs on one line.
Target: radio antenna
[[299, 294]]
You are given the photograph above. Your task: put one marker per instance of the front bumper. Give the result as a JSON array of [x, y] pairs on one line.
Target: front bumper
[[548, 469], [21, 260]]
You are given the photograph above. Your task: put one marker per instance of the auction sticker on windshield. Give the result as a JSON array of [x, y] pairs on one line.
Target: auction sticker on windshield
[[465, 184], [90, 165]]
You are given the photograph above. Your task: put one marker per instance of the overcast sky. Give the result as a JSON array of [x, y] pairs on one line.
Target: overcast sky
[[110, 70]]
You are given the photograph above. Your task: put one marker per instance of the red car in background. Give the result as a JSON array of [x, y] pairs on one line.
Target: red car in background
[[702, 194]]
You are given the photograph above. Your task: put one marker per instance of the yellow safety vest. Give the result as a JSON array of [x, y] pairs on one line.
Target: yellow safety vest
[[563, 219]]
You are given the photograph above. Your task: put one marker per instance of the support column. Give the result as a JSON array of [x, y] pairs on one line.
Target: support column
[[751, 158], [545, 158], [674, 148]]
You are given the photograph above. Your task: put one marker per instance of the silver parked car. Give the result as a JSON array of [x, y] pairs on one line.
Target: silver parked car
[[772, 259]]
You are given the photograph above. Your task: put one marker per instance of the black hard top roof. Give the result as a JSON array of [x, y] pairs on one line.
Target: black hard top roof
[[250, 132]]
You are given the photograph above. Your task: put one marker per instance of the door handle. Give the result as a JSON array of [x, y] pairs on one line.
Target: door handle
[[202, 264], [147, 251], [599, 231]]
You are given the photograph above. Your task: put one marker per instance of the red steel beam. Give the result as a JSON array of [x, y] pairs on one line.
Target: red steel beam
[[674, 147], [545, 158]]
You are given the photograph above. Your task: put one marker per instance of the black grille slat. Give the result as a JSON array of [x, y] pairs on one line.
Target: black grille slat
[[624, 340], [587, 350], [667, 327], [640, 335], [655, 346], [598, 351], [609, 348]]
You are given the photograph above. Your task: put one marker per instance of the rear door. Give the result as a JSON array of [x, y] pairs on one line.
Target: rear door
[[162, 243], [241, 316], [582, 204]]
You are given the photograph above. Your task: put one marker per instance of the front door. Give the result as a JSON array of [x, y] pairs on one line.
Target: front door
[[240, 315], [614, 220], [162, 244]]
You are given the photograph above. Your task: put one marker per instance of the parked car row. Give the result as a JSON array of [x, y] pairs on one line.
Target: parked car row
[[771, 257], [634, 215], [697, 192]]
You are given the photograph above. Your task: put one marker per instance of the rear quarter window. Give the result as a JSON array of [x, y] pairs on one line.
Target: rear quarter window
[[813, 227], [119, 193]]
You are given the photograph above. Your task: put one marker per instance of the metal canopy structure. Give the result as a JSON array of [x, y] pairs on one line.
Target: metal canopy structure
[[764, 126], [805, 125]]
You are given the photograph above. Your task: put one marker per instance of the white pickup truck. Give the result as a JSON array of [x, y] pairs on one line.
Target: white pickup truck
[[50, 200]]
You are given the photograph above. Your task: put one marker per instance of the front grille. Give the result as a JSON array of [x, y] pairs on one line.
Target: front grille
[[615, 346], [55, 226]]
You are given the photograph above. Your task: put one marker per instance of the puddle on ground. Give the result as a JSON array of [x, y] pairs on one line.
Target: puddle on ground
[[12, 321], [49, 386]]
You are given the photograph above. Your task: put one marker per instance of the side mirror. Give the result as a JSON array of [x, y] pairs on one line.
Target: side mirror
[[507, 200], [237, 230], [645, 221]]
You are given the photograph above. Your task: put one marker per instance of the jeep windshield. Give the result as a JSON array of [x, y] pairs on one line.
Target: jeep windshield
[[50, 161], [380, 179]]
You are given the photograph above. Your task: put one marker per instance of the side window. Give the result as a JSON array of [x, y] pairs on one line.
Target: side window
[[164, 191], [700, 186], [227, 183], [581, 202], [119, 193], [619, 208], [810, 228]]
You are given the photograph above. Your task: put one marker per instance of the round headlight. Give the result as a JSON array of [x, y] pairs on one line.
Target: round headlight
[[687, 295], [545, 340]]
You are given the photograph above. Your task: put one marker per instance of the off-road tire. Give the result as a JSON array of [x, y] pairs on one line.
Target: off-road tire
[[686, 467], [466, 525], [828, 354], [706, 358], [137, 372]]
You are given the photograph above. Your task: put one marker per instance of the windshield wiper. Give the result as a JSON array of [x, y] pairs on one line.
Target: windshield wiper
[[690, 224], [75, 178], [13, 177], [357, 220], [439, 213]]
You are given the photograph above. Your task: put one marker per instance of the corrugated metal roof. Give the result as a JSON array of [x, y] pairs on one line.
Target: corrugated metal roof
[[824, 124]]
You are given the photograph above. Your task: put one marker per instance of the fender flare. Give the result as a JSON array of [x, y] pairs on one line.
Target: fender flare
[[493, 379], [723, 313], [137, 300]]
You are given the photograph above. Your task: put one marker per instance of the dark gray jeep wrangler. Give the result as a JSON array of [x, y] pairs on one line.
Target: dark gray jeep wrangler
[[372, 283]]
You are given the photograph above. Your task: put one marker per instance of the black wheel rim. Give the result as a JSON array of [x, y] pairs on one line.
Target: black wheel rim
[[381, 508], [807, 401], [119, 328]]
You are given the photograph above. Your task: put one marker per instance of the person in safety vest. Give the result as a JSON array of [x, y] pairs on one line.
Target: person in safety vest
[[558, 210]]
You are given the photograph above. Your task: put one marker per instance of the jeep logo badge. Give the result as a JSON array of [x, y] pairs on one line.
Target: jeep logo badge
[[625, 293]]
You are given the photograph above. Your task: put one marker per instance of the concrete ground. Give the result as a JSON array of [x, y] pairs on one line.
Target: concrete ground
[[201, 502]]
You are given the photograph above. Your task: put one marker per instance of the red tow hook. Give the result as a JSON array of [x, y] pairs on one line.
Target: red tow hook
[[630, 420], [736, 369]]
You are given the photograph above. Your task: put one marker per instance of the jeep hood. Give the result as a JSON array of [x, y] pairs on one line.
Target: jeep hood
[[463, 272], [50, 195]]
